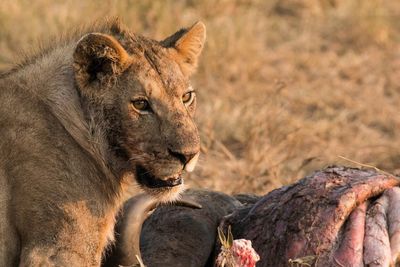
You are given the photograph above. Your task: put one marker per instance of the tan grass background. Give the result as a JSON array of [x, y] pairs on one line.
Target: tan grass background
[[284, 86]]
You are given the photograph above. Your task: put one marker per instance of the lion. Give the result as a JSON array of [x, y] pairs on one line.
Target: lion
[[82, 121]]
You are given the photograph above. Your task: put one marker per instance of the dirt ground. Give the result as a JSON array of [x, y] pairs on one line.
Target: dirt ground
[[285, 87]]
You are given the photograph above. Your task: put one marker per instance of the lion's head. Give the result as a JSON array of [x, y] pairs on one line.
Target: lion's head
[[142, 89]]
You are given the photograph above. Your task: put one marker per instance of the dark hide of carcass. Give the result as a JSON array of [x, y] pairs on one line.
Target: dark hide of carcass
[[180, 236]]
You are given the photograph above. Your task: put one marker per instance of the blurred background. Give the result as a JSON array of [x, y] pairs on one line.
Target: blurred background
[[284, 87]]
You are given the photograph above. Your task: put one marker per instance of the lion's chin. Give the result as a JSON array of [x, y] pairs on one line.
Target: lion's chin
[[165, 189], [165, 194]]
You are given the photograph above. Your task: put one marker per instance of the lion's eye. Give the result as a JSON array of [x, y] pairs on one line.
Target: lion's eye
[[141, 105], [188, 98]]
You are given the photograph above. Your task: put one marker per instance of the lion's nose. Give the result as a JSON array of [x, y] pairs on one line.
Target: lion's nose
[[183, 157]]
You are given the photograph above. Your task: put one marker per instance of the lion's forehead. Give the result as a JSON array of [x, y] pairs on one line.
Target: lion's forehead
[[160, 76], [155, 68]]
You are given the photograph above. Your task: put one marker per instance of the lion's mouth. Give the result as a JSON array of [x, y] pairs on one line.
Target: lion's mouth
[[146, 178]]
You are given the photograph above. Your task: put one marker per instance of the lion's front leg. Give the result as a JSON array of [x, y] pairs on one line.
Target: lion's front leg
[[69, 247], [55, 256], [77, 237]]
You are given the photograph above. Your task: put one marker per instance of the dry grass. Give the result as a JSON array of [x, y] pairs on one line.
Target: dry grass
[[284, 86]]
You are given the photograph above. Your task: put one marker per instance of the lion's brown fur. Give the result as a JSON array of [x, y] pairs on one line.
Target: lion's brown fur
[[70, 141]]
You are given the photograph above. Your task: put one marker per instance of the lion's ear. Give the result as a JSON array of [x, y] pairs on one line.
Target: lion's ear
[[98, 58], [186, 45]]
